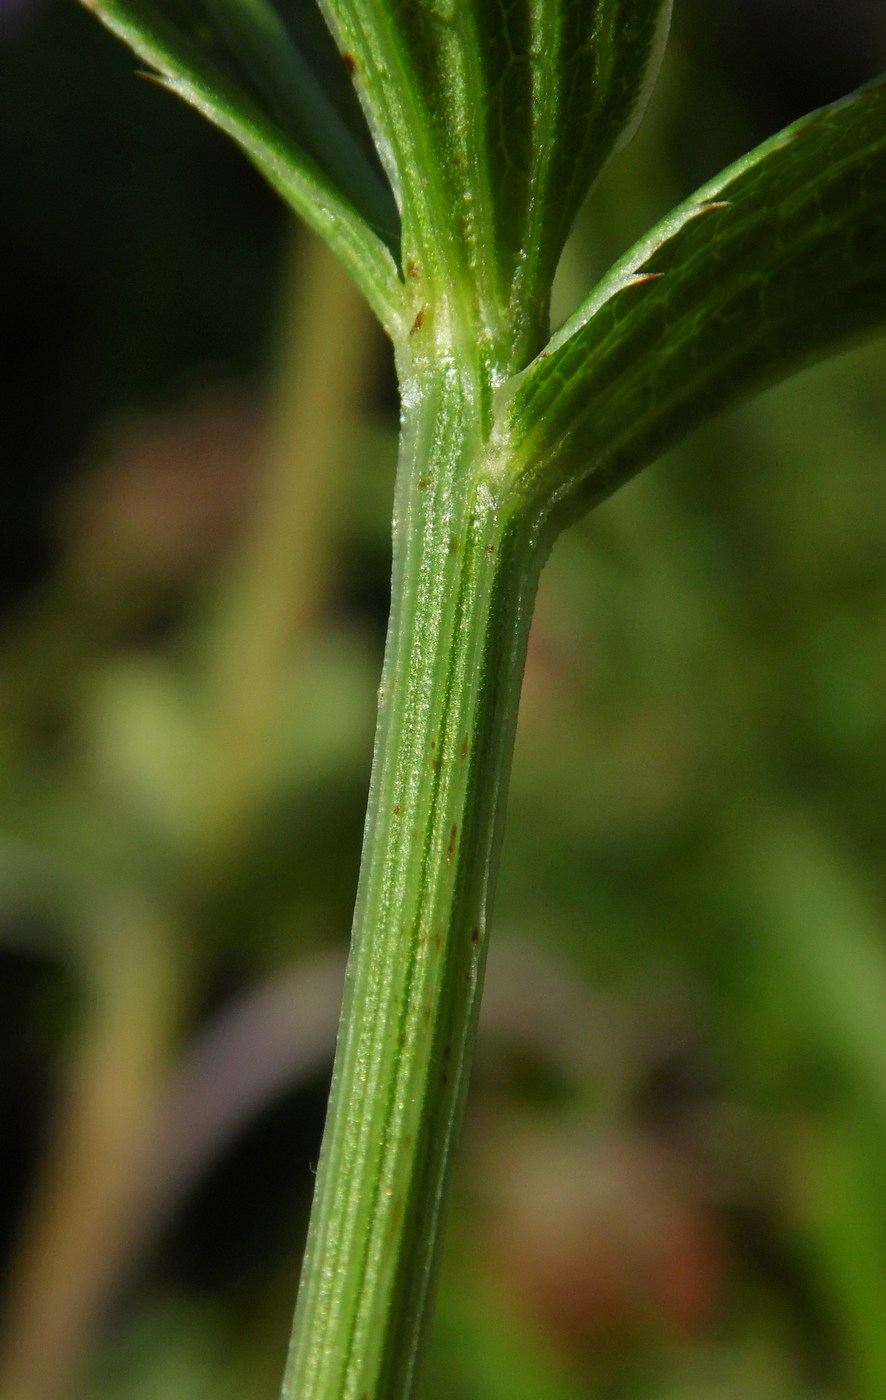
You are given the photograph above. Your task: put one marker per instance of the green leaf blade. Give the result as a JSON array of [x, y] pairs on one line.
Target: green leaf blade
[[600, 62], [264, 84], [778, 262], [497, 119]]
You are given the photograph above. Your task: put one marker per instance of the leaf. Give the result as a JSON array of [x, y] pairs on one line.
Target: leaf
[[776, 263], [281, 91], [493, 118]]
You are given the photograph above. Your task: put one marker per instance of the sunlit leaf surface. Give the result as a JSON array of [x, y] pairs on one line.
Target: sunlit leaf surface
[[494, 120], [777, 262], [279, 88]]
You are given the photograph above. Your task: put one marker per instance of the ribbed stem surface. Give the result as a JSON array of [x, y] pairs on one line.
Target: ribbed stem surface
[[462, 592]]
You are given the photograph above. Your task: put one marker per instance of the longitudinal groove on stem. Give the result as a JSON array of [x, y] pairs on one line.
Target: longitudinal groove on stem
[[447, 706], [395, 1026]]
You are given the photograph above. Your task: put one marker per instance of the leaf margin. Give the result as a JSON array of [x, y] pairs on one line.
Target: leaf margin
[[538, 413], [175, 64]]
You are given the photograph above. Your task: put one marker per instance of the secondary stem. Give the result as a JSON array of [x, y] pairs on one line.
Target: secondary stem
[[78, 1237], [463, 584], [279, 570]]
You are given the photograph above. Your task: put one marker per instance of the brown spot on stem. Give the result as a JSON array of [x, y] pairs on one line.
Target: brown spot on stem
[[464, 747], [396, 809], [413, 269], [490, 549], [424, 482], [453, 837], [475, 935], [350, 63], [419, 320]]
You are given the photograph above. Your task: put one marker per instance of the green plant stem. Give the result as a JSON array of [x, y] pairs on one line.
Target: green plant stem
[[275, 589], [77, 1238], [464, 579]]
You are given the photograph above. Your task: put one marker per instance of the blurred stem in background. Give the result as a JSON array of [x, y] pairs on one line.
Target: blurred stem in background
[[716, 629], [278, 576], [83, 1225], [76, 1237], [818, 924], [843, 1227]]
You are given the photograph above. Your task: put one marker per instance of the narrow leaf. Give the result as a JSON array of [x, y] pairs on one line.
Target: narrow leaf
[[280, 90], [494, 119], [778, 262]]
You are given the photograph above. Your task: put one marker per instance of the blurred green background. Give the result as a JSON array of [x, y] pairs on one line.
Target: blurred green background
[[672, 1185]]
